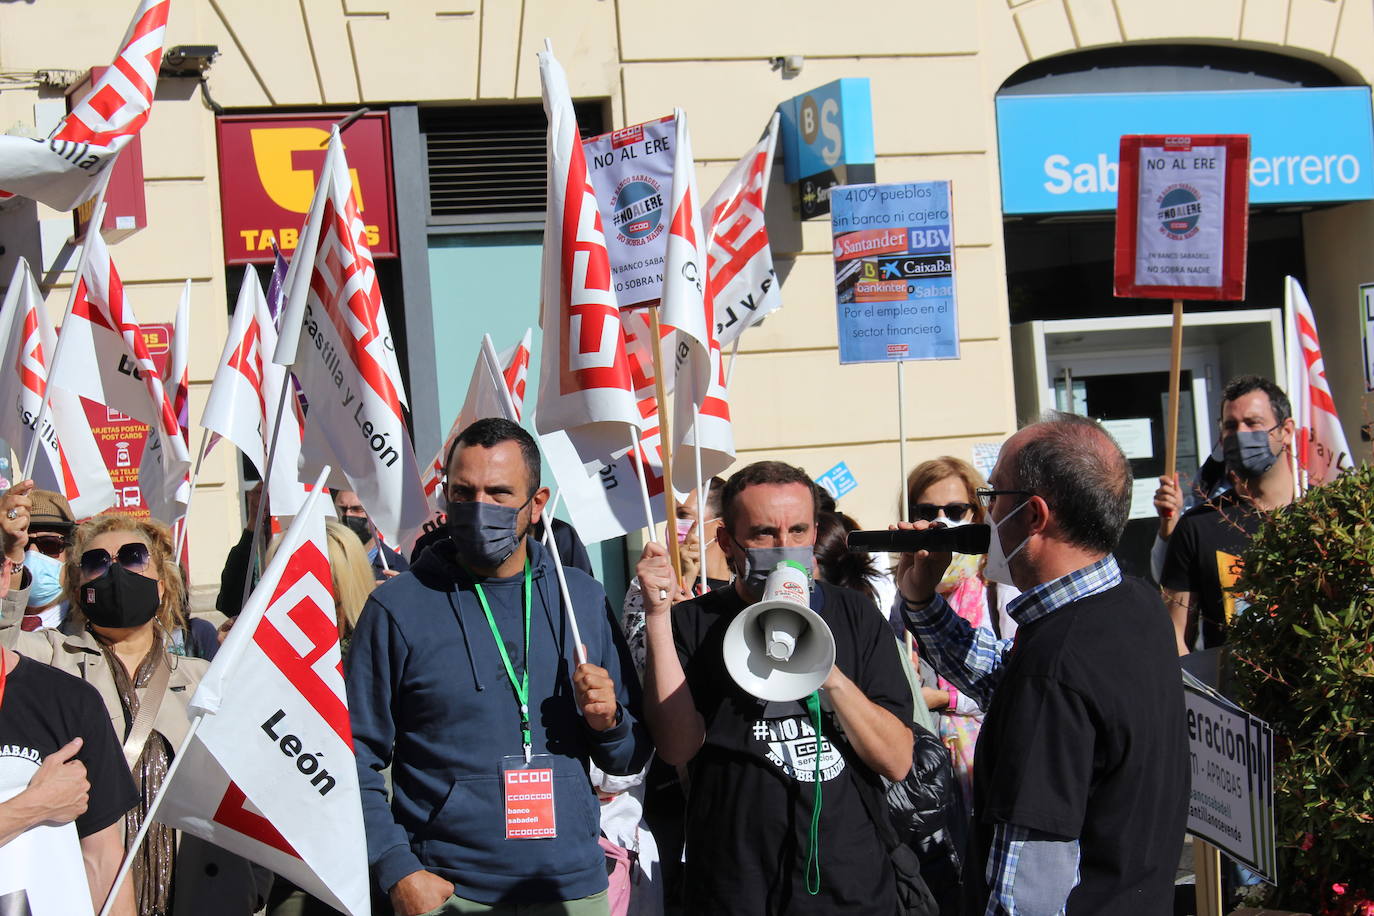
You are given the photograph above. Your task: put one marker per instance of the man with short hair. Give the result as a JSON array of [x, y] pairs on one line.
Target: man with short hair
[[462, 677], [1081, 771], [385, 561], [1203, 559], [751, 845]]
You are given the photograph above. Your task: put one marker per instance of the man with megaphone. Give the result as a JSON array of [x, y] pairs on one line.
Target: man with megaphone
[[1080, 777], [735, 689]]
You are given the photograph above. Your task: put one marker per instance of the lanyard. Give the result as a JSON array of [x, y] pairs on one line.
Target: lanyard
[[522, 686]]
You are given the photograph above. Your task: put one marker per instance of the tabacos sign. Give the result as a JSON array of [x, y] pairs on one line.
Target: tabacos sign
[[1058, 153], [268, 167]]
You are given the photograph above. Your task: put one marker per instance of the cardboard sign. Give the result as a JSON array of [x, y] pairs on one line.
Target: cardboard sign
[[894, 272], [1231, 804], [632, 173], [1182, 217]]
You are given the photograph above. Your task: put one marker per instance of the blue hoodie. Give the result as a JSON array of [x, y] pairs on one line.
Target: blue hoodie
[[428, 695]]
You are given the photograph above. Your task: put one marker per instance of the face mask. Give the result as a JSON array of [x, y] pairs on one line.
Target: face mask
[[483, 532], [119, 599], [1247, 452], [47, 578], [760, 561], [998, 567], [684, 528], [950, 523], [360, 526]]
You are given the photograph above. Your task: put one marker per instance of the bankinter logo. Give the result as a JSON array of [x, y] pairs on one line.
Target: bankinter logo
[[288, 160]]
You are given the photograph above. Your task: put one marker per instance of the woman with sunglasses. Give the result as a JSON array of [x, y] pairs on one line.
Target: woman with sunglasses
[[127, 596], [944, 490]]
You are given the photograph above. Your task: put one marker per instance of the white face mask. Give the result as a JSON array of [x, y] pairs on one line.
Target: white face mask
[[951, 523], [998, 567]]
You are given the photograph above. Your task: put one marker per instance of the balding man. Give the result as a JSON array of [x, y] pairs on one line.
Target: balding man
[[1081, 772]]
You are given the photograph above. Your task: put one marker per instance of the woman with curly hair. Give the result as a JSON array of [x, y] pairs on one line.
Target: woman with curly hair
[[127, 597]]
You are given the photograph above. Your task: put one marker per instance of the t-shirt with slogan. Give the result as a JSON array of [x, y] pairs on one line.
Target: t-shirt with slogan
[[1204, 559], [41, 870], [752, 783]]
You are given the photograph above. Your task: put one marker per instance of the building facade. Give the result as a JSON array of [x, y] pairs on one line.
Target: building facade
[[961, 90]]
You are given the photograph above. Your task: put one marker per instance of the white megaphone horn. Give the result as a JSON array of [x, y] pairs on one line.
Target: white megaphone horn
[[780, 649]]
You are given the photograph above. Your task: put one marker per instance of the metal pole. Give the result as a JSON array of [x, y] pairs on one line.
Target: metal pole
[[901, 441]]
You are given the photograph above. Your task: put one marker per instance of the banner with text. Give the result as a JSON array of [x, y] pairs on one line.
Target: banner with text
[[1231, 804], [632, 174], [1181, 217], [894, 272]]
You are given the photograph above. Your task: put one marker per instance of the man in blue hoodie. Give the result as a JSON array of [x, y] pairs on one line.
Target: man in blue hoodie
[[462, 677]]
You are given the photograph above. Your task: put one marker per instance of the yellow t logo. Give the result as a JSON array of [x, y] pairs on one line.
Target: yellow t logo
[[275, 153]]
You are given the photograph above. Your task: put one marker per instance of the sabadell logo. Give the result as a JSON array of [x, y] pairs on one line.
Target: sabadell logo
[[1180, 208], [638, 215]]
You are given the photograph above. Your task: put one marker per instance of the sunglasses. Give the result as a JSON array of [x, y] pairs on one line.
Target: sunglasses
[[133, 556], [50, 545], [928, 512]]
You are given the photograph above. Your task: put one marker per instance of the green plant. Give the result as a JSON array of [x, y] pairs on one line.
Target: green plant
[[1303, 660]]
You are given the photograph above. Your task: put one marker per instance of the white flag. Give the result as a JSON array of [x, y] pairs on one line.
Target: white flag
[[701, 411], [67, 168], [270, 773], [335, 338], [584, 376], [245, 393], [176, 382], [1322, 448], [741, 282], [105, 359], [69, 461]]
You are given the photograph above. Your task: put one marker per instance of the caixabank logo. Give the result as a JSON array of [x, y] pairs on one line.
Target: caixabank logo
[[638, 214], [1179, 209]]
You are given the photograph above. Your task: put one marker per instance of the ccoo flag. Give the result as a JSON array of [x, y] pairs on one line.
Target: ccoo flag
[[66, 169], [69, 461], [701, 413], [1323, 452], [176, 382], [269, 772], [584, 376], [105, 359], [336, 339]]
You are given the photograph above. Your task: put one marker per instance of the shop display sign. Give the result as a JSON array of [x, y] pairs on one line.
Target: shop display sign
[[632, 174], [1231, 803], [1181, 217], [894, 272], [121, 438], [827, 140], [268, 168]]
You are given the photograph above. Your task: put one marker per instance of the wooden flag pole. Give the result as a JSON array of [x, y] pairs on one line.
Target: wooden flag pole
[[1175, 374], [665, 444], [1207, 875]]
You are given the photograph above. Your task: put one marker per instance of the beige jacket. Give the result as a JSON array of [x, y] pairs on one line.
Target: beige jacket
[[208, 880]]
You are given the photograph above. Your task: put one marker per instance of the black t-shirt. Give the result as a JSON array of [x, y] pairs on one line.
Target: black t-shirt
[[749, 810], [1204, 559], [41, 711], [1085, 738]]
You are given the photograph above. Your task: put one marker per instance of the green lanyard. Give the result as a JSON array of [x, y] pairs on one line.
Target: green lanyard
[[813, 835], [522, 686]]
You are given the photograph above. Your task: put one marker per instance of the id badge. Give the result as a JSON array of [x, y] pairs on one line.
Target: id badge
[[527, 787]]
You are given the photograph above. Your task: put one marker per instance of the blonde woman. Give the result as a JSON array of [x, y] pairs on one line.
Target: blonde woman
[[126, 597]]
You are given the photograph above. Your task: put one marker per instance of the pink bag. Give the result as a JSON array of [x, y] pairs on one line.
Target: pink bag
[[619, 862]]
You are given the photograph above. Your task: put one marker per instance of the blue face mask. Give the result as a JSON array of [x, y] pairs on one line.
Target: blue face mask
[[47, 578]]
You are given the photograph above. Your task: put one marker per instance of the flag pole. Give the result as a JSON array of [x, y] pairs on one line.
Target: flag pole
[[1175, 372], [665, 441], [97, 217], [152, 812], [190, 493], [287, 385], [901, 440], [579, 650], [701, 498]]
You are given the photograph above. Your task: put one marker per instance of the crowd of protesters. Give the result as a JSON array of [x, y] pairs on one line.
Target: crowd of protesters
[[1026, 703]]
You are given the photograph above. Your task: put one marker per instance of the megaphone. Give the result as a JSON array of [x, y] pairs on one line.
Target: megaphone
[[779, 649]]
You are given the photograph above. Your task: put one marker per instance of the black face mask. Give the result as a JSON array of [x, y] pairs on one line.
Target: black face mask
[[119, 599], [359, 525]]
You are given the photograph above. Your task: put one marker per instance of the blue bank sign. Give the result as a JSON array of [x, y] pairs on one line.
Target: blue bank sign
[[1058, 152]]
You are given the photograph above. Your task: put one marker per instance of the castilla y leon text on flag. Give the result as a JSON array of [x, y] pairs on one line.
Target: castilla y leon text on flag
[[336, 339], [69, 460], [66, 169]]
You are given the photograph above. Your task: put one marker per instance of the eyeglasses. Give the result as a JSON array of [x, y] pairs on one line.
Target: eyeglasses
[[986, 495], [928, 512], [50, 545], [133, 556]]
